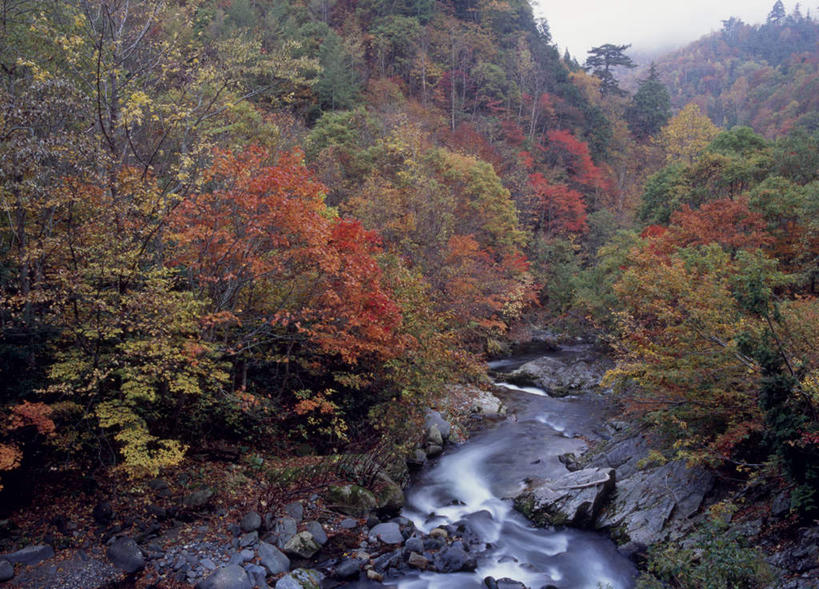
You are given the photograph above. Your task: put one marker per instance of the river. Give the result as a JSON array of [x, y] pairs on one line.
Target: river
[[470, 488]]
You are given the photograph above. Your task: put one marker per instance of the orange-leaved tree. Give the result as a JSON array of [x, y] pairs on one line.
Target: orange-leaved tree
[[287, 281]]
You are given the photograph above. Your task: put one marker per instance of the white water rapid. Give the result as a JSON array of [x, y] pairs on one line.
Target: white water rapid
[[470, 487]]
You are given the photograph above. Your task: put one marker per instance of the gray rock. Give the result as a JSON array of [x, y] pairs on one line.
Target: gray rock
[[433, 450], [6, 571], [273, 559], [208, 564], [242, 557], [388, 533], [435, 418], [300, 579], [390, 495], [487, 405], [800, 558], [302, 544], [30, 554], [653, 504], [417, 458], [351, 500], [230, 577], [781, 505], [284, 528], [251, 522], [248, 539], [125, 554], [558, 377], [198, 499], [414, 544], [257, 575], [387, 560], [348, 523], [295, 510], [454, 559], [319, 535], [417, 561], [507, 583], [575, 499], [347, 569], [434, 435]]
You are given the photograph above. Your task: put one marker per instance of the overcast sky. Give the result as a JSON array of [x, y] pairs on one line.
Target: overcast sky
[[580, 25]]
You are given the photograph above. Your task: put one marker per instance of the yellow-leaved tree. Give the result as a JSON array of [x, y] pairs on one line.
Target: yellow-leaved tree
[[687, 135]]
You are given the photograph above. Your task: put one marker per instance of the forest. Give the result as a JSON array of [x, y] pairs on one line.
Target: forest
[[291, 226]]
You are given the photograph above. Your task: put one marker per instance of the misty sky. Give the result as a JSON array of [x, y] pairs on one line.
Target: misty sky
[[647, 24]]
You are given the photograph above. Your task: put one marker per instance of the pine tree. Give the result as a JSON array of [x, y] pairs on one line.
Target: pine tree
[[650, 107], [777, 13], [602, 59]]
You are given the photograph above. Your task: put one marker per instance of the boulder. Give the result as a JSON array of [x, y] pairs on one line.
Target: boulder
[[257, 575], [434, 435], [284, 528], [6, 571], [347, 569], [433, 450], [295, 510], [230, 577], [198, 499], [488, 405], [251, 522], [417, 458], [348, 523], [574, 499], [387, 533], [454, 559], [435, 418], [273, 559], [248, 539], [302, 544], [30, 554], [390, 495], [559, 377], [242, 556], [300, 579], [319, 535], [414, 544], [125, 554], [654, 504], [417, 561], [351, 500]]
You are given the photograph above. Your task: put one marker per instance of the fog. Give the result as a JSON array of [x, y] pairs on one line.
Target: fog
[[649, 25]]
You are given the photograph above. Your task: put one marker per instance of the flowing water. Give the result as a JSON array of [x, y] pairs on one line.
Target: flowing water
[[472, 485]]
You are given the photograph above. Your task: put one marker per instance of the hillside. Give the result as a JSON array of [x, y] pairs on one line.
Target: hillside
[[765, 76]]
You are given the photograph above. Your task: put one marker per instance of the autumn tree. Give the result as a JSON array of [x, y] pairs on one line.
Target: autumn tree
[[687, 135]]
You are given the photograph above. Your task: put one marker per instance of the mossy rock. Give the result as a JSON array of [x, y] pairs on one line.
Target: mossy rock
[[351, 499]]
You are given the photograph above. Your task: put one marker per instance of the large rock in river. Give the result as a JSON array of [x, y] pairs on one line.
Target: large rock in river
[[656, 504], [574, 499], [559, 377]]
